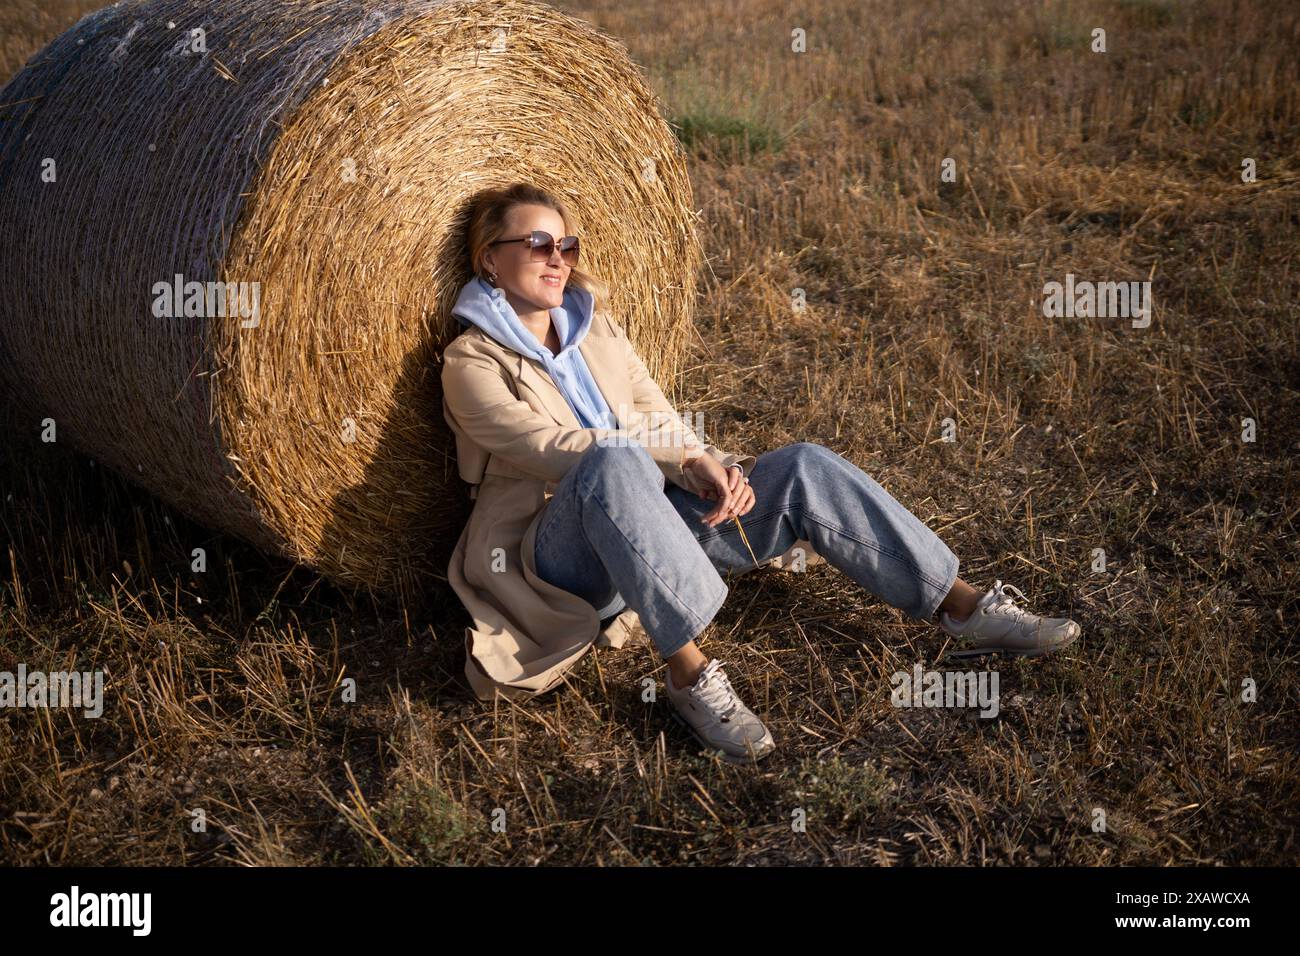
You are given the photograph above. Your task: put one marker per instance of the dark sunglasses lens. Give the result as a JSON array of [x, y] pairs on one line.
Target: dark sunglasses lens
[[543, 244], [569, 249]]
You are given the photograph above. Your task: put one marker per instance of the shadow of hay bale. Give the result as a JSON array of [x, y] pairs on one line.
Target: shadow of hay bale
[[233, 232]]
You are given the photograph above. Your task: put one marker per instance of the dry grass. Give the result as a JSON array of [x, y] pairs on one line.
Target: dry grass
[[817, 172]]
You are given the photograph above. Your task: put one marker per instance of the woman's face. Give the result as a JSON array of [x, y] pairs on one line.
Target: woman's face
[[530, 285]]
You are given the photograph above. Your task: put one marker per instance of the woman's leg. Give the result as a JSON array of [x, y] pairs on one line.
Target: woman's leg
[[961, 600], [806, 491], [609, 533]]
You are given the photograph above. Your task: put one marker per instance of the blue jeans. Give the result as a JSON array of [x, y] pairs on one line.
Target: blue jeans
[[614, 535]]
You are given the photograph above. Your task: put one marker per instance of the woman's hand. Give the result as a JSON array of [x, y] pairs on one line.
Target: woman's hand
[[728, 486]]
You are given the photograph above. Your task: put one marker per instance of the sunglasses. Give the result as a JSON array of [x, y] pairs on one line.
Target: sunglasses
[[542, 244]]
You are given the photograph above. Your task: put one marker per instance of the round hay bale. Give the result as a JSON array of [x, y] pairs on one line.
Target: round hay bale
[[324, 155]]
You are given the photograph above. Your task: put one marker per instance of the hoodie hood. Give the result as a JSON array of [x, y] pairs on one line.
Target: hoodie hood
[[486, 307]]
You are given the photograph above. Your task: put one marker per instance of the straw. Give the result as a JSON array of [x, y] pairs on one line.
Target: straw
[[745, 538], [326, 150]]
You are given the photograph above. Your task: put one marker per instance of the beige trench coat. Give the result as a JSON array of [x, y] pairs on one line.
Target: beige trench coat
[[516, 438]]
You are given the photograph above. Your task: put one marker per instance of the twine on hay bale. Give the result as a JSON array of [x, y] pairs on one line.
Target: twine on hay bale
[[325, 151]]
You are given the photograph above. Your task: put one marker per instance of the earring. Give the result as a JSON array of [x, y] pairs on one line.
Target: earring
[[493, 277]]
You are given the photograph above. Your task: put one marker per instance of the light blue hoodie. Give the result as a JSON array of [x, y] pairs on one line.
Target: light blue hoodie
[[486, 306]]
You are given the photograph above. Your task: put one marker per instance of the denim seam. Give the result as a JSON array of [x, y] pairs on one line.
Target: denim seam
[[542, 535], [763, 516], [875, 546], [942, 589], [897, 557], [722, 597], [825, 524]]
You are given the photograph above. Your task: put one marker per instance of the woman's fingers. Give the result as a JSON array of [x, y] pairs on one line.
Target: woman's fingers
[[733, 494], [727, 487], [737, 494], [744, 501], [741, 492], [726, 500]]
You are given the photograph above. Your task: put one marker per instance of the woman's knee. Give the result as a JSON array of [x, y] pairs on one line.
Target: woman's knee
[[624, 462], [808, 458], [810, 450]]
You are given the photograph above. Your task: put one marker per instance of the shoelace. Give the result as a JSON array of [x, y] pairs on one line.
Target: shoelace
[[714, 691], [1005, 600]]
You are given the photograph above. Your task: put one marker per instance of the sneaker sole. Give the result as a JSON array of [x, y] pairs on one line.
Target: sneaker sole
[[1011, 651], [740, 760]]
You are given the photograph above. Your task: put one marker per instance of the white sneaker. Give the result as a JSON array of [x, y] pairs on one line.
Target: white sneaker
[[711, 710], [999, 624]]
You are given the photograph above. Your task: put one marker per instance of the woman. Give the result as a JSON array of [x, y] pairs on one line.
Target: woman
[[584, 511]]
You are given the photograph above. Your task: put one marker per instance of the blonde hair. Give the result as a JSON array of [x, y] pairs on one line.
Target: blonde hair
[[488, 222]]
